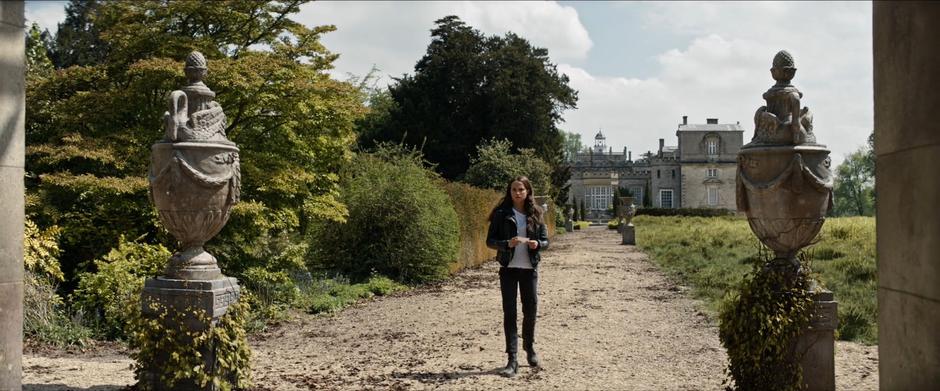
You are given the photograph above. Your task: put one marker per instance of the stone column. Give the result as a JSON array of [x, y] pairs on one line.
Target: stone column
[[907, 143], [12, 117]]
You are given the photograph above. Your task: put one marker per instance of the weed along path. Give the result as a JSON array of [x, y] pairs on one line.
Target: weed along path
[[608, 320]]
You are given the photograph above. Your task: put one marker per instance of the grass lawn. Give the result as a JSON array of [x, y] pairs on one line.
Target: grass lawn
[[712, 255]]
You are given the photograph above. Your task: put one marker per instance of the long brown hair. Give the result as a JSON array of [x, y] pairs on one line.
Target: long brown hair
[[532, 211]]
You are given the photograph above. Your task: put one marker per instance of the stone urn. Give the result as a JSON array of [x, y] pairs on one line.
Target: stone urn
[[626, 212], [194, 174], [194, 181], [784, 185]]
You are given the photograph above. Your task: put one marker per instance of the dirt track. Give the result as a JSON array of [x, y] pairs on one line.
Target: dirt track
[[608, 320]]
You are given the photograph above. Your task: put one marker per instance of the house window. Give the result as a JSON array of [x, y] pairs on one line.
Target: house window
[[673, 173], [712, 146], [665, 198], [712, 173], [600, 197], [637, 194], [713, 196], [657, 174]]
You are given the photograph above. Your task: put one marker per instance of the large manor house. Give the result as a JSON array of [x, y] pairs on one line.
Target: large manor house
[[697, 173]]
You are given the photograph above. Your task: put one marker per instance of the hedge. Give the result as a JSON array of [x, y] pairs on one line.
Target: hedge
[[473, 206], [690, 212]]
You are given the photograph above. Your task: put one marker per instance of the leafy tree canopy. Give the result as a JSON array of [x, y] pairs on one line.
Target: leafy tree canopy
[[854, 189], [495, 164], [90, 126], [468, 88], [572, 145]]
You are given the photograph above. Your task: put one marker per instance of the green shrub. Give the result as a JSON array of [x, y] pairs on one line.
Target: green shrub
[[270, 294], [401, 222], [45, 317], [759, 327], [688, 212], [119, 280], [383, 286], [334, 295], [495, 165], [559, 215], [41, 250]]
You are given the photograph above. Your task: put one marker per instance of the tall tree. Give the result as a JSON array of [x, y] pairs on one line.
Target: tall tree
[[572, 145], [468, 88], [494, 165], [90, 126], [854, 185], [37, 56], [78, 38]]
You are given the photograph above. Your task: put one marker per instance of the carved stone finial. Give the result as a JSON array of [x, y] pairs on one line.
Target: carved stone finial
[[195, 67], [784, 59], [783, 121], [784, 67], [193, 114]]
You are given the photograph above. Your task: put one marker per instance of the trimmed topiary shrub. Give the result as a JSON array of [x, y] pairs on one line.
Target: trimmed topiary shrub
[[401, 222]]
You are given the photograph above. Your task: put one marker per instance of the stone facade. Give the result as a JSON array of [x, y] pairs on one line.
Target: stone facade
[[697, 173]]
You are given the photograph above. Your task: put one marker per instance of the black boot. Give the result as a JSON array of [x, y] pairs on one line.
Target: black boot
[[512, 367], [532, 358]]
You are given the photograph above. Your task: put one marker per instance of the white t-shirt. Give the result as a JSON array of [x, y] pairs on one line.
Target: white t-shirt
[[520, 257]]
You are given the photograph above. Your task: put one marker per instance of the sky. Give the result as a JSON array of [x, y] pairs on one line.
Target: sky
[[638, 67]]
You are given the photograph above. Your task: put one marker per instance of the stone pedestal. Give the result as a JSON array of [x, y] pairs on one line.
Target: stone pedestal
[[569, 226], [817, 345], [12, 112], [628, 233], [212, 297]]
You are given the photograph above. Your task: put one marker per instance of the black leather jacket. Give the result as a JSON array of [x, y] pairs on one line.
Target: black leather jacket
[[503, 227]]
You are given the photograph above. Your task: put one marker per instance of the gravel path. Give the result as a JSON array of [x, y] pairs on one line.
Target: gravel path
[[608, 320]]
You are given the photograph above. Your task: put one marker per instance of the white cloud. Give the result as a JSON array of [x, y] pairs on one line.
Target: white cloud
[[721, 71], [47, 14], [724, 69], [394, 35]]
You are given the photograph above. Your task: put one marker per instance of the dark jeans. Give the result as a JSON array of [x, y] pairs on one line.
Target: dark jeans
[[527, 281]]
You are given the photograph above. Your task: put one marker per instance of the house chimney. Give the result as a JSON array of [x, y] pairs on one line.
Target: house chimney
[[630, 156], [624, 152], [685, 120], [662, 142], [713, 121]]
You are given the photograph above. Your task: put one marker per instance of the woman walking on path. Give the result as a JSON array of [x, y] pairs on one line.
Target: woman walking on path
[[518, 233]]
